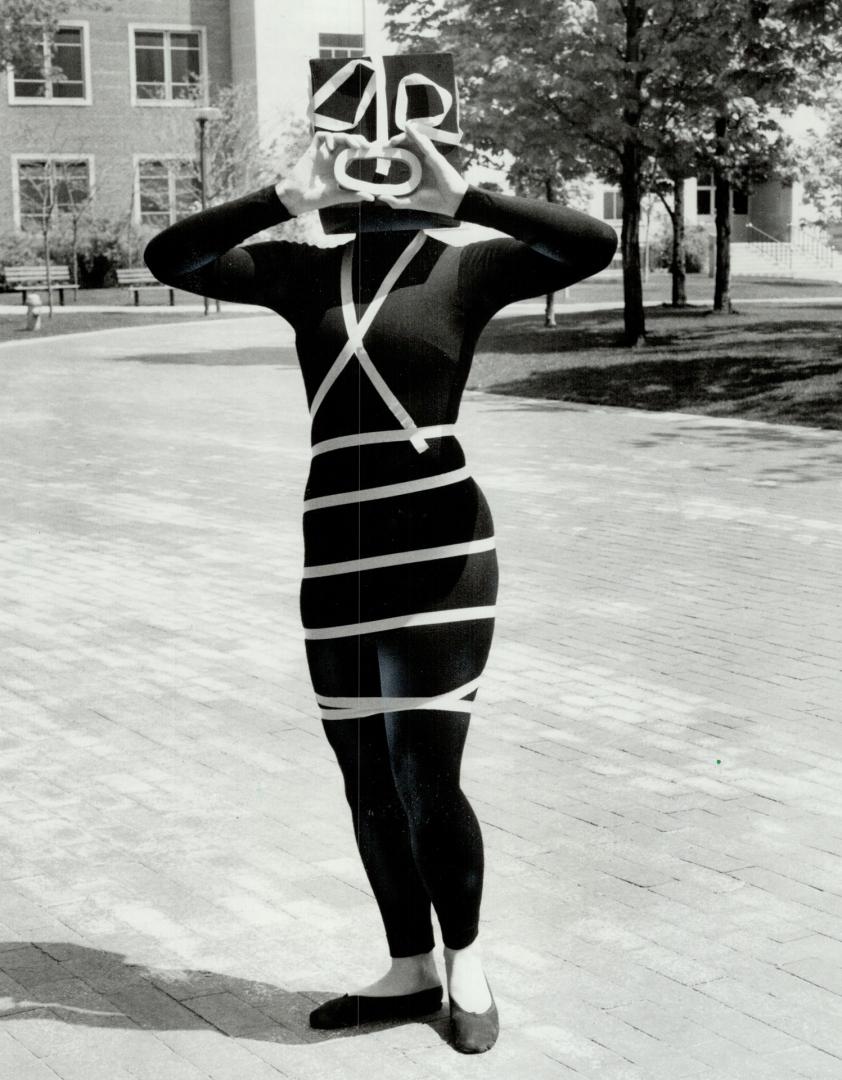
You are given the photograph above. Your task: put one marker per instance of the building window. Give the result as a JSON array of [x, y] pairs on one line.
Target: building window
[[337, 45], [51, 186], [167, 190], [704, 198], [61, 75], [704, 195], [703, 202], [612, 205], [167, 65]]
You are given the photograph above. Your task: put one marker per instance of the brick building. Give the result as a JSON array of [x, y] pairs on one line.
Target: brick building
[[119, 122]]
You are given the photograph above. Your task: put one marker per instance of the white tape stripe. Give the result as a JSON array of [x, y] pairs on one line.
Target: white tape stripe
[[356, 336], [400, 558], [357, 714], [369, 438], [381, 130], [390, 399], [387, 491], [329, 88], [372, 438], [407, 702], [398, 622]]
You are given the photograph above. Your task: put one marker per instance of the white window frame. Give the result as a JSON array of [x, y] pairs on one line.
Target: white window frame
[[345, 51], [137, 160], [16, 158], [616, 195], [84, 25], [168, 103]]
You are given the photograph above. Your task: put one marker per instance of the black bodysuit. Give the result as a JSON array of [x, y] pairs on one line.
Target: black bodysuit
[[400, 574]]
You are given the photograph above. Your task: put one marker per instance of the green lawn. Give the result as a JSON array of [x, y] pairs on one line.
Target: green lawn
[[777, 363], [67, 321], [700, 289]]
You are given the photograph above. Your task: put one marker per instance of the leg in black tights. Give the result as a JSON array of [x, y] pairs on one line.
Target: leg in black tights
[[382, 833], [418, 837], [426, 750]]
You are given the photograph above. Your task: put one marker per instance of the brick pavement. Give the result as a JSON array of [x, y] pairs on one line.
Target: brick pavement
[[654, 755]]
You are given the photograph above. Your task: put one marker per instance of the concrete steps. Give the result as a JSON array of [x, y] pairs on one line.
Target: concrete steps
[[754, 260]]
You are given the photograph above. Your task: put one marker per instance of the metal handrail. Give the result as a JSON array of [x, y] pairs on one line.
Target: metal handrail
[[774, 239], [813, 241], [779, 250]]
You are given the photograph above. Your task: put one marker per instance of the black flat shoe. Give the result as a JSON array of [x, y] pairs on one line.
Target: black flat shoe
[[351, 1010], [473, 1033]]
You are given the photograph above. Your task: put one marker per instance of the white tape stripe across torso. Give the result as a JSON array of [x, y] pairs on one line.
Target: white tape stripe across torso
[[372, 438], [398, 622], [357, 330], [387, 491], [400, 558]]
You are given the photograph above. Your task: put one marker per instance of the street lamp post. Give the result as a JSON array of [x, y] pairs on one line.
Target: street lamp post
[[202, 117]]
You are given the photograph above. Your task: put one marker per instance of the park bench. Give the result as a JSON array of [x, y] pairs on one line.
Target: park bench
[[27, 279], [138, 278]]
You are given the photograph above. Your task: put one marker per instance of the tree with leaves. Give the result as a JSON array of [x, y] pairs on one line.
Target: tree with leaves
[[24, 24], [587, 80], [775, 55], [619, 84]]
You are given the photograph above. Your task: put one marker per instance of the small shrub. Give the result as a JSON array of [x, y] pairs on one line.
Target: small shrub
[[19, 249], [696, 245]]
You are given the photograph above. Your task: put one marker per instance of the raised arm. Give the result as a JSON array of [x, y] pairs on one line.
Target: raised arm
[[551, 247], [202, 253]]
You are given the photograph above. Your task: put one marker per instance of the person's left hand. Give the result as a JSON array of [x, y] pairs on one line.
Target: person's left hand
[[441, 188]]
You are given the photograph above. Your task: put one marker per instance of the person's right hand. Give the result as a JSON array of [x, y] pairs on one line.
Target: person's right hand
[[311, 184]]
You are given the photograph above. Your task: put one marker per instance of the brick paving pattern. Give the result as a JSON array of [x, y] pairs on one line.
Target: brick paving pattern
[[654, 755]]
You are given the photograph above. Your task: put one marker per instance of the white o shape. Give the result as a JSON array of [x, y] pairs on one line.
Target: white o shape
[[389, 153]]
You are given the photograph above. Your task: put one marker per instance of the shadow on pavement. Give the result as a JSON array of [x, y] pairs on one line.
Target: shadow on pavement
[[245, 356], [77, 985]]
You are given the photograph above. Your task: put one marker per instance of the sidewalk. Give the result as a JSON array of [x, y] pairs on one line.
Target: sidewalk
[[654, 755]]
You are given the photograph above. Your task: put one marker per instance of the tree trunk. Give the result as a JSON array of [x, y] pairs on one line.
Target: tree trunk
[[74, 251], [549, 309], [679, 253], [722, 210], [630, 184], [48, 268], [634, 319]]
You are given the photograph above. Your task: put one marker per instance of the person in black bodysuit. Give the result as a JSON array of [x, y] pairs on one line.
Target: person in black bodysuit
[[400, 573]]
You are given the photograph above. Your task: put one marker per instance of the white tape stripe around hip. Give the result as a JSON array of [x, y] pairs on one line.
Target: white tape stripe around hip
[[398, 622], [359, 328], [349, 708], [400, 558], [371, 438], [387, 491]]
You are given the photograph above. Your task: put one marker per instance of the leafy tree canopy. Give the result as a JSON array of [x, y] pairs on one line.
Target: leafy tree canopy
[[23, 24]]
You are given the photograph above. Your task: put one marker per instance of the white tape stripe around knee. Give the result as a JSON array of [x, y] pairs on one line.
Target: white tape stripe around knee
[[351, 708], [400, 558], [398, 622]]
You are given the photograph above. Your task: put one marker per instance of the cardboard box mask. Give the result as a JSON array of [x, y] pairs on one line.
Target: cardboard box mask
[[375, 96]]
